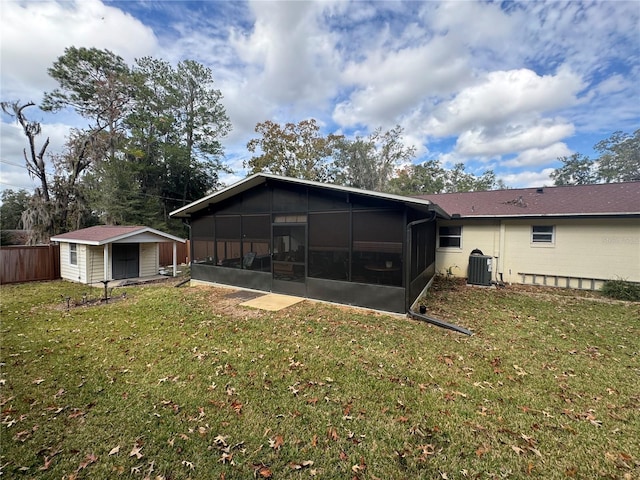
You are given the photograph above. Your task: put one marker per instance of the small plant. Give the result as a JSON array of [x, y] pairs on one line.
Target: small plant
[[621, 290]]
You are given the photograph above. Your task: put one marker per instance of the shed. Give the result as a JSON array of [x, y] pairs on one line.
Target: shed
[[315, 240], [112, 252]]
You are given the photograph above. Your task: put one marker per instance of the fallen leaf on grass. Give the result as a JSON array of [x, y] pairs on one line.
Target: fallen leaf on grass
[[276, 442], [135, 451], [481, 450], [260, 470], [359, 467], [38, 381], [114, 450], [517, 449], [88, 460], [188, 464], [301, 465]]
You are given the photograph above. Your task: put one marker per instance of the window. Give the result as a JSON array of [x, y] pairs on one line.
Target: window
[[73, 254], [542, 233], [450, 237]]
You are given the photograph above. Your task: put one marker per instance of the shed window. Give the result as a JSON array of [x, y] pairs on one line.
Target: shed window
[[450, 237], [73, 254], [542, 234]]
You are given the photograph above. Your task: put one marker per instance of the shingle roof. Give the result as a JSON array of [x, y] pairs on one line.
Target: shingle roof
[[101, 234], [598, 199]]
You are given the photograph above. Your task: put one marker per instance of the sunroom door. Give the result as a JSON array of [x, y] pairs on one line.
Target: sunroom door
[[289, 259]]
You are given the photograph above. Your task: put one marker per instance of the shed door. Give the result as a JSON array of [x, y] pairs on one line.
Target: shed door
[[126, 260]]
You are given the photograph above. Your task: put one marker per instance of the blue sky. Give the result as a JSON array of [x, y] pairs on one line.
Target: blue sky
[[507, 86]]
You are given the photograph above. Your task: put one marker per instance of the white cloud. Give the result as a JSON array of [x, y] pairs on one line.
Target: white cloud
[[513, 138], [533, 157], [34, 34], [293, 59], [529, 179], [392, 84], [503, 96]]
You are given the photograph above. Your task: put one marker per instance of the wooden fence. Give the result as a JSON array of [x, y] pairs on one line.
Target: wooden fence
[[29, 264], [166, 253]]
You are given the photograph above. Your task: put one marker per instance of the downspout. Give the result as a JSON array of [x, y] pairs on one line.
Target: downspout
[[410, 312]]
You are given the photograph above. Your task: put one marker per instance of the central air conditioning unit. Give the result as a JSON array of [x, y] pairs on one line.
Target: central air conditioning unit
[[480, 267]]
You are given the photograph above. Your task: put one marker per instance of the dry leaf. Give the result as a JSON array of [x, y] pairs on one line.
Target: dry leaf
[[301, 465], [135, 452], [262, 471], [114, 450], [276, 442], [481, 450], [88, 460], [517, 449]]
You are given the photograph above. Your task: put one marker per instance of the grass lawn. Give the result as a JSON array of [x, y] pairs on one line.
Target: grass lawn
[[174, 383]]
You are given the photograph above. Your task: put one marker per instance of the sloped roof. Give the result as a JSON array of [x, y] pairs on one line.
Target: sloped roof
[[261, 178], [575, 200], [102, 234]]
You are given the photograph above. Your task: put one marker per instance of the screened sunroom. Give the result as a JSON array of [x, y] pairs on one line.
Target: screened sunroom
[[314, 240]]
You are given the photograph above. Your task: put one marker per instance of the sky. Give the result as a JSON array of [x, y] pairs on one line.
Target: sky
[[502, 86]]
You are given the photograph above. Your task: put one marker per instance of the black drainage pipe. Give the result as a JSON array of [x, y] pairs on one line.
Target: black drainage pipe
[[438, 323]]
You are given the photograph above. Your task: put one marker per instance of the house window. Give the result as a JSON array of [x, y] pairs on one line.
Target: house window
[[73, 254], [542, 234], [450, 237]]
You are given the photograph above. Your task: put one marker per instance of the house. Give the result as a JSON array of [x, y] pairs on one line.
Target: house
[[569, 236], [377, 250], [106, 252], [315, 240]]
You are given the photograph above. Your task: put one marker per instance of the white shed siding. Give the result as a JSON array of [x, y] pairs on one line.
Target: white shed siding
[[95, 264], [68, 271], [149, 259]]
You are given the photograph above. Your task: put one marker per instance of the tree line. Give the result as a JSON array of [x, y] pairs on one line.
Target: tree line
[[153, 143]]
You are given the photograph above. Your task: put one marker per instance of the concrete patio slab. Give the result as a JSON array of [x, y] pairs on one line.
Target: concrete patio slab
[[272, 302]]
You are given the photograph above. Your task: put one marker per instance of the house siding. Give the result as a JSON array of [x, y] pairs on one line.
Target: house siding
[[584, 252]]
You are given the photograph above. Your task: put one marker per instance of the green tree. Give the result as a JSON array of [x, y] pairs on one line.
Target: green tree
[[577, 169], [293, 150], [619, 159], [431, 177], [369, 163], [14, 202], [96, 83]]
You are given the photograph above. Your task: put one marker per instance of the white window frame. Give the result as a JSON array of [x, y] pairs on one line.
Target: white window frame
[[546, 234], [73, 254], [450, 235]]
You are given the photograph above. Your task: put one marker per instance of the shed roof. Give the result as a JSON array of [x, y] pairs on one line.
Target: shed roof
[[607, 199], [102, 234], [261, 178]]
